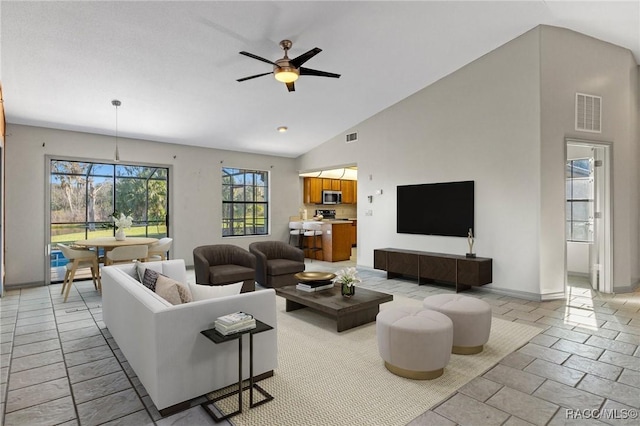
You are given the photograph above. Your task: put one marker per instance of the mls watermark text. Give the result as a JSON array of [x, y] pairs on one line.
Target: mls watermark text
[[602, 413]]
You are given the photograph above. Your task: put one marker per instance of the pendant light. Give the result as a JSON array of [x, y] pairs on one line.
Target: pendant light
[[116, 103]]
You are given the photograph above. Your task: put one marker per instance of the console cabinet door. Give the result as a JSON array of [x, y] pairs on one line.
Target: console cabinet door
[[403, 263], [475, 272], [438, 268], [380, 260]]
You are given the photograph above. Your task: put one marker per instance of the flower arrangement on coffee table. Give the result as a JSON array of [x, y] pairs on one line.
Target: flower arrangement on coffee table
[[347, 278]]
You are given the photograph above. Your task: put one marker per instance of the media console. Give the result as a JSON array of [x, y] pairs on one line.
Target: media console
[[464, 272]]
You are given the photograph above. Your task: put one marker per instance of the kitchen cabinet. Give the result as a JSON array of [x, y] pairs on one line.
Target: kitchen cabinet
[[336, 241], [354, 233], [348, 188], [331, 184], [312, 193], [313, 187]]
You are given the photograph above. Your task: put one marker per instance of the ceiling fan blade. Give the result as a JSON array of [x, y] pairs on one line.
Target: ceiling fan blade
[[251, 55], [296, 62], [309, 71], [254, 76], [291, 87]]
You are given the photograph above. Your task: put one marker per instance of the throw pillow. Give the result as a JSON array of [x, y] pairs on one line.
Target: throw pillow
[[203, 292], [172, 291], [140, 268], [150, 278]]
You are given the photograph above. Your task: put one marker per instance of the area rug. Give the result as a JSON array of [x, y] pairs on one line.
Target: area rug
[[330, 378]]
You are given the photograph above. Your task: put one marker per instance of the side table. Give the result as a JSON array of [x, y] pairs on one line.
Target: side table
[[217, 338]]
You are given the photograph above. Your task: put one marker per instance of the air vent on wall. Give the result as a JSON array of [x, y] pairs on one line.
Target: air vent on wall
[[351, 137], [588, 113]]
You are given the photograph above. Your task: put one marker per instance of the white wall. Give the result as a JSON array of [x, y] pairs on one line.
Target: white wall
[[480, 123], [502, 121], [195, 191], [578, 258], [572, 62]]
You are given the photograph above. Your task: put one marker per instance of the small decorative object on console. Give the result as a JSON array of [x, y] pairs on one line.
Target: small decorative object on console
[[470, 240], [348, 278]]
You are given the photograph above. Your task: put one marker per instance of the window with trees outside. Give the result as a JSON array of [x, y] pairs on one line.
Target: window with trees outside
[[84, 197], [579, 187], [245, 202]]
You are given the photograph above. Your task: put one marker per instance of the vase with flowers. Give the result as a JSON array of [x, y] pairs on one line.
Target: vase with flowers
[[123, 222], [347, 278]]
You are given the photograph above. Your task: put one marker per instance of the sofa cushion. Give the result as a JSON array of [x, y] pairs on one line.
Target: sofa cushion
[[203, 292], [220, 274], [172, 291], [140, 268], [149, 279], [283, 266]]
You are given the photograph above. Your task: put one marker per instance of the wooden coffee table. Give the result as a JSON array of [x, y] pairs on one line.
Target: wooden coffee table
[[361, 308]]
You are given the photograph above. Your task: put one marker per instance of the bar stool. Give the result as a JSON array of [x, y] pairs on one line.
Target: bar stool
[[295, 229], [314, 230]]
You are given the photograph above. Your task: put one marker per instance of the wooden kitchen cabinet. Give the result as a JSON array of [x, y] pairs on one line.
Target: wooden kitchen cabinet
[[348, 188], [313, 187], [331, 184], [354, 233], [312, 193]]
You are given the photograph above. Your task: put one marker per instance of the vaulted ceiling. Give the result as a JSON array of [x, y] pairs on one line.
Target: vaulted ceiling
[[174, 65]]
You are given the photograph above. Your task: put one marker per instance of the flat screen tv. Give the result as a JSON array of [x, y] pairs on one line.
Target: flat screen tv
[[436, 208]]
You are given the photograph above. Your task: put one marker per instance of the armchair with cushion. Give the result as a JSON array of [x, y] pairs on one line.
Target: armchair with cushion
[[277, 263], [221, 264]]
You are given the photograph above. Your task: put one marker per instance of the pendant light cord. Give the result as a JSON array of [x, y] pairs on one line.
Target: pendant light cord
[[116, 103]]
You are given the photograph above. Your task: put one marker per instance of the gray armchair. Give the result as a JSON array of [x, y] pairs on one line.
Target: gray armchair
[[222, 264], [277, 263]]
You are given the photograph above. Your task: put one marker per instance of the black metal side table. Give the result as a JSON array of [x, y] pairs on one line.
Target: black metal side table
[[213, 335]]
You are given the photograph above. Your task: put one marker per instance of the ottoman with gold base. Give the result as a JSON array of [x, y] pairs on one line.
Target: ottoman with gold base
[[471, 320], [413, 342]]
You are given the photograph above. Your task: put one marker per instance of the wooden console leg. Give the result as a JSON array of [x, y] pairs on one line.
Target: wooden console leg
[[462, 287]]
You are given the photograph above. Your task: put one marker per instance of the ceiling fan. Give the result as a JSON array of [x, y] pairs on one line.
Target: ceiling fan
[[288, 70]]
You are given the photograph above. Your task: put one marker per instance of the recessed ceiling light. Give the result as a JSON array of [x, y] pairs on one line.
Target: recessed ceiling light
[[283, 129]]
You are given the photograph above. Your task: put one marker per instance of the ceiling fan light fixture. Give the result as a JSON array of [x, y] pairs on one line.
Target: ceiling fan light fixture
[[286, 74], [282, 129]]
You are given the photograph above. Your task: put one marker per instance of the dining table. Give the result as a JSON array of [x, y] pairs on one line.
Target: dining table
[[109, 243]]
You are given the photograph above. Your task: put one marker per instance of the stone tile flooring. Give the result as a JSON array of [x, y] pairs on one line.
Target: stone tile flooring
[[60, 366]]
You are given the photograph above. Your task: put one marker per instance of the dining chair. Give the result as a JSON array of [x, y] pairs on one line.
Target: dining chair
[[123, 254], [158, 251], [79, 259]]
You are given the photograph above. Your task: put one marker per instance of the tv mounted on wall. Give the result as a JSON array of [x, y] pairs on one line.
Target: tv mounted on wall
[[436, 208]]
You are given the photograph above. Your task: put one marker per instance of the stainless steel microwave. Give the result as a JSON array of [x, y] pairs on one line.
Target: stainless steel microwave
[[331, 197]]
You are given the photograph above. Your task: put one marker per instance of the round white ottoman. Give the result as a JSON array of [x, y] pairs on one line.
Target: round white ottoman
[[471, 320], [413, 342]]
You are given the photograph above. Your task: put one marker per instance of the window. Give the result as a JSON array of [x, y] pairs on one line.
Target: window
[[85, 195], [579, 186], [245, 202]]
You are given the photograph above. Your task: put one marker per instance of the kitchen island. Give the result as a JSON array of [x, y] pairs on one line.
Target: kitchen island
[[336, 241]]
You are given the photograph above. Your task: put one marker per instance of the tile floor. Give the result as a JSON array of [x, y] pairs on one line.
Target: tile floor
[[60, 366]]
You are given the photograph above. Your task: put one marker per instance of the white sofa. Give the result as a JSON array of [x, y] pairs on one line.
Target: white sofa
[[163, 344]]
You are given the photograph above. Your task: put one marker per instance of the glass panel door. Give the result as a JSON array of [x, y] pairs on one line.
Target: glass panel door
[[84, 197]]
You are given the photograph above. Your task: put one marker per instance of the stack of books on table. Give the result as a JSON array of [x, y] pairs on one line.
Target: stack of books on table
[[234, 323], [311, 286]]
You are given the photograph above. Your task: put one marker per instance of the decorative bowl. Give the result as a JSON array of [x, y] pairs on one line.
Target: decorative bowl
[[314, 276]]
